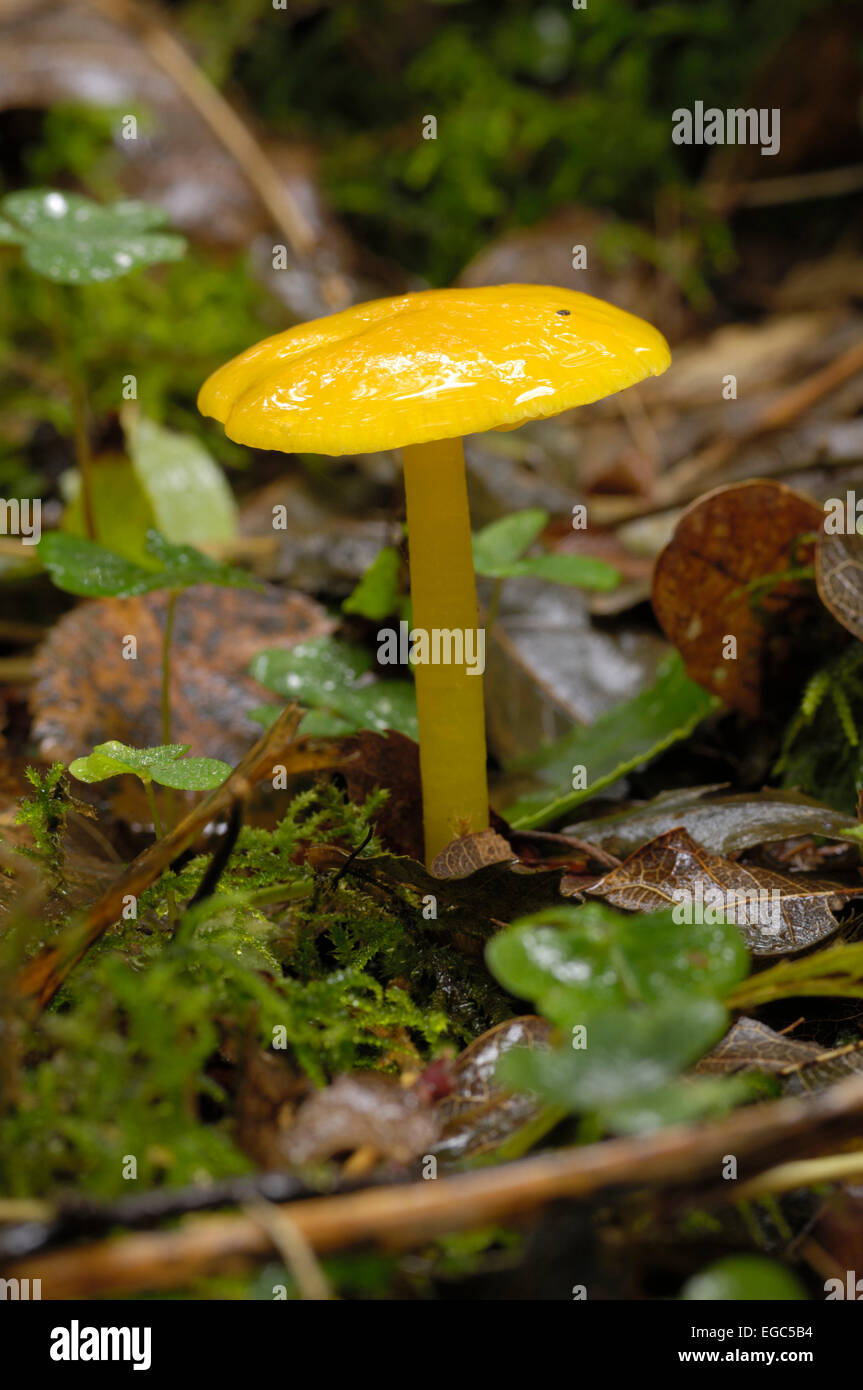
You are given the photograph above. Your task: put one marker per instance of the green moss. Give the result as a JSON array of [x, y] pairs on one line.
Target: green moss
[[136, 1056], [821, 751], [45, 815]]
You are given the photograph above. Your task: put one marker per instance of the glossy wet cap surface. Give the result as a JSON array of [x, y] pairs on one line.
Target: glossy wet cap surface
[[431, 365]]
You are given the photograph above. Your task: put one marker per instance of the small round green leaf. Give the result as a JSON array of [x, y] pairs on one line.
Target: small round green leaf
[[73, 241], [747, 1278]]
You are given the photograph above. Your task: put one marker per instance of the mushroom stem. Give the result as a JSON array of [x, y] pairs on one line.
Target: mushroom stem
[[443, 593]]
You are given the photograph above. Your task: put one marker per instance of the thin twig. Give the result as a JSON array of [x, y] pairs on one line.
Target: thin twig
[[792, 188], [684, 480], [295, 1250], [219, 115], [809, 1172]]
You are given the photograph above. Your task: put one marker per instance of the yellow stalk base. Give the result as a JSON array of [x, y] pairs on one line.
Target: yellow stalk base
[[443, 593]]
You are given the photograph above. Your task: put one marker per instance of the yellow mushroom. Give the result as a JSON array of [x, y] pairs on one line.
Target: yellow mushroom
[[417, 373]]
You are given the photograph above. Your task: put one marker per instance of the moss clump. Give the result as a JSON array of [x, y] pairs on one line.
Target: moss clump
[[137, 1056]]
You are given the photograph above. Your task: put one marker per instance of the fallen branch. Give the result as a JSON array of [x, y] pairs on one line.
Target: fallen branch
[[402, 1217]]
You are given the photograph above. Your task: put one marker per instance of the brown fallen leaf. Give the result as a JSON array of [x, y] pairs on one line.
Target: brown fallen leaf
[[388, 760], [86, 693], [839, 576], [721, 544], [88, 860], [361, 1111], [751, 1045], [479, 1115], [372, 760], [468, 853], [777, 913]]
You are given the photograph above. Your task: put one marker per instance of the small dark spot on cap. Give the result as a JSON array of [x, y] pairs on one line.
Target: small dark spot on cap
[[564, 313]]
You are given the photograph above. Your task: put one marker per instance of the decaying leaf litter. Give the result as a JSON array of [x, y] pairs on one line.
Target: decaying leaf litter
[[404, 990]]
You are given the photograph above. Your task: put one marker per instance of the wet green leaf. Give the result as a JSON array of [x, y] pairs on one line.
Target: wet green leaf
[[685, 1101], [164, 764], [618, 742], [378, 593], [186, 488], [627, 1054], [81, 567], [579, 571], [743, 1277], [574, 961], [334, 680], [73, 241], [504, 541], [724, 824], [121, 511]]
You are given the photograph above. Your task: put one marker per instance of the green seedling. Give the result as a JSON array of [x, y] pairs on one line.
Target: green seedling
[[166, 764], [71, 241], [499, 552]]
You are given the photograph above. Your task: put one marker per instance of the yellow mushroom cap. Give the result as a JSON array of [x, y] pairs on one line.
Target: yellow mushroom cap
[[433, 365]]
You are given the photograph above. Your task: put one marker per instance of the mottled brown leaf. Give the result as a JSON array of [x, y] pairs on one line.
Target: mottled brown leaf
[[801, 1066], [86, 693], [722, 543], [674, 863], [479, 1114], [839, 576], [468, 853]]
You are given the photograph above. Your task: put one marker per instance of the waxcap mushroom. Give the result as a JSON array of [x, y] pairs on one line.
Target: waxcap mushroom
[[432, 365], [417, 373]]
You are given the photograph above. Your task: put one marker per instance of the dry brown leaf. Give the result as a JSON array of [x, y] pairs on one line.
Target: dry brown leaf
[[479, 1114], [86, 693], [362, 1111], [674, 863], [721, 544], [388, 760], [839, 576], [801, 1066], [468, 853]]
